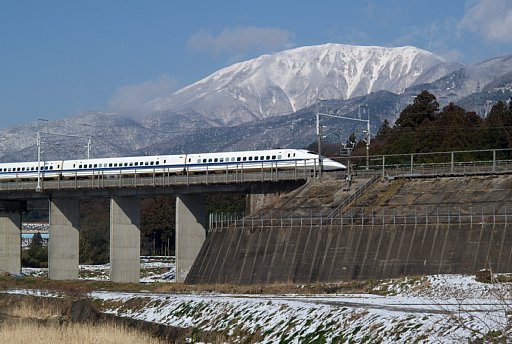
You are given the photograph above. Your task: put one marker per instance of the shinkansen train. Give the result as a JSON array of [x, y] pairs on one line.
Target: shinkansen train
[[258, 160]]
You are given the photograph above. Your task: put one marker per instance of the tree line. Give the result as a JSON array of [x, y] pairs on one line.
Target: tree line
[[423, 127]]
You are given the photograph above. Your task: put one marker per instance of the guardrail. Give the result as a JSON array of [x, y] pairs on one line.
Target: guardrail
[[101, 180], [335, 212], [358, 217], [452, 163]]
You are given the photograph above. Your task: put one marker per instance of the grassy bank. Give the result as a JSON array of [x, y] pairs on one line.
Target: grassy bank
[[23, 331]]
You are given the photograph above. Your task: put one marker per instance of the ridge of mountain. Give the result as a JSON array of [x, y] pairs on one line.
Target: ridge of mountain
[[285, 82]]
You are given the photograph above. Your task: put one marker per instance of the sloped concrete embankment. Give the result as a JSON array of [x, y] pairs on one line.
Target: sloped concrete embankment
[[310, 253], [464, 226]]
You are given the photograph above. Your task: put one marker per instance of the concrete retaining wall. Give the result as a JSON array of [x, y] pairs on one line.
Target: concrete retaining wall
[[313, 253]]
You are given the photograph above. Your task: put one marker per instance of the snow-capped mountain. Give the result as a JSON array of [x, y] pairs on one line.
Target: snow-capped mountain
[[282, 83]]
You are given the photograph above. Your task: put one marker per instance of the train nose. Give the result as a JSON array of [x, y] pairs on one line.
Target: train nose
[[331, 165]]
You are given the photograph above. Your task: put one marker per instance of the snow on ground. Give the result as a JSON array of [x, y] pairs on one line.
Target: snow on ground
[[438, 308], [153, 269], [409, 315]]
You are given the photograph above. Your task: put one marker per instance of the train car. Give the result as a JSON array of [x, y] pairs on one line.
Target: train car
[[259, 160], [29, 170], [123, 166]]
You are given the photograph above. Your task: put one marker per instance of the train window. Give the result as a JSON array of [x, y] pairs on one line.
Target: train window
[[255, 158], [125, 164], [262, 158], [268, 157], [51, 167], [279, 156], [273, 157], [146, 163], [31, 168], [250, 158], [90, 165], [46, 167], [198, 161], [216, 160], [288, 154], [23, 168], [136, 163], [189, 160], [95, 165], [9, 169], [238, 159], [131, 163], [152, 162], [79, 166], [233, 159], [294, 155], [210, 160], [221, 160], [158, 162]]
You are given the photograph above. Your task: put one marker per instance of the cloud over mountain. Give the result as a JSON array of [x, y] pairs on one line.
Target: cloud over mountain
[[240, 40]]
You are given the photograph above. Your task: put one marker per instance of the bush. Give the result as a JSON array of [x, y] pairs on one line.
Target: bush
[[35, 257]]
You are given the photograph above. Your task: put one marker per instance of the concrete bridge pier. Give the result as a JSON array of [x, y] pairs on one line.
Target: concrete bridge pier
[[125, 239], [10, 242], [190, 231], [63, 248]]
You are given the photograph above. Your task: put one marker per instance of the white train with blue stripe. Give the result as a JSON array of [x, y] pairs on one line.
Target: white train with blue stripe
[[258, 160]]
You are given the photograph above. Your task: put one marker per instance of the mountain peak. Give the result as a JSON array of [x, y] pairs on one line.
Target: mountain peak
[[286, 81]]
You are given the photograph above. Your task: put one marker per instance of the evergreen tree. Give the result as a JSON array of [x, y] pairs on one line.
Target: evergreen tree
[[424, 107], [498, 126]]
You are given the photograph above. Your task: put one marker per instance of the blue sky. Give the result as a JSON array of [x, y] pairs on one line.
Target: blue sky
[[60, 58]]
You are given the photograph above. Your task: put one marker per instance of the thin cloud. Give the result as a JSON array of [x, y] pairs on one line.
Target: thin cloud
[[436, 37], [490, 18], [129, 99], [241, 41]]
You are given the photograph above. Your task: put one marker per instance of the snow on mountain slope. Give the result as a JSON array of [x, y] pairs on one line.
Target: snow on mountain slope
[[279, 84]]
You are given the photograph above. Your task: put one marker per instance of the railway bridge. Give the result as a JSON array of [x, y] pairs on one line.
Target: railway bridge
[[124, 193]]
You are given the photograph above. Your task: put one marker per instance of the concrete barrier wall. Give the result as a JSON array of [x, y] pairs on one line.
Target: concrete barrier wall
[[311, 253]]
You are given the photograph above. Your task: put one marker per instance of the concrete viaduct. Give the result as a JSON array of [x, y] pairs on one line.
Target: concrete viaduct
[[124, 193]]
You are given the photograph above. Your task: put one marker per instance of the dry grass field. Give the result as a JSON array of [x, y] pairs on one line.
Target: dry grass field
[[34, 333], [40, 320], [32, 319]]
